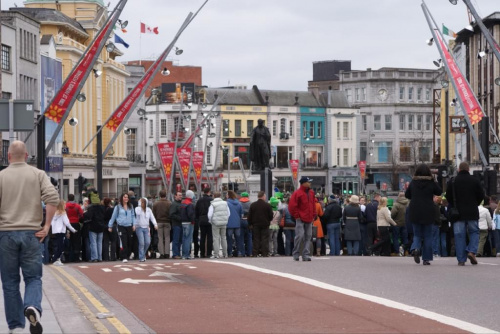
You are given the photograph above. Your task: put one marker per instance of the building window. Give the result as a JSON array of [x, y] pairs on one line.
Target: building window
[[383, 152], [410, 122], [410, 94], [131, 145], [338, 130], [249, 127], [237, 128], [419, 122], [405, 151], [401, 122], [345, 130], [427, 94], [151, 155], [313, 157], [388, 122], [290, 152], [6, 58], [320, 127], [419, 94], [225, 128], [424, 151], [357, 95], [292, 124], [304, 129], [163, 127], [283, 125], [346, 157], [401, 93], [275, 125], [243, 152], [428, 122], [209, 156], [376, 122], [363, 150], [311, 129], [282, 153], [364, 123], [338, 156], [193, 125], [348, 94], [176, 124], [151, 128]]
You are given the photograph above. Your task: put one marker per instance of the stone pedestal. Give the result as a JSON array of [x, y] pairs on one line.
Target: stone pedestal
[[255, 185]]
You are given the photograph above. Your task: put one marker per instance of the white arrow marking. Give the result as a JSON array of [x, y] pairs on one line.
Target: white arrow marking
[[159, 268], [123, 265], [83, 267], [126, 269], [107, 270], [138, 268], [137, 281], [170, 276]]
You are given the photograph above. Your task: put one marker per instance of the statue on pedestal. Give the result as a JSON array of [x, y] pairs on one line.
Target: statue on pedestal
[[260, 146]]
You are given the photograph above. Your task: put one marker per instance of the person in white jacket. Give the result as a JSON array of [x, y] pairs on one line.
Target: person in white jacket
[[143, 215], [59, 224], [484, 225]]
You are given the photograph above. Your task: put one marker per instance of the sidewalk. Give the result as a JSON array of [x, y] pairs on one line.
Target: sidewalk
[[60, 313]]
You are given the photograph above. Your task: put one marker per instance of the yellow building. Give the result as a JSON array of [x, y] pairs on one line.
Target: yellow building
[[74, 25]]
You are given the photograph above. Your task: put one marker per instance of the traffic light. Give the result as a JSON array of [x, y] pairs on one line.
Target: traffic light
[[81, 182], [235, 186], [344, 188], [349, 188]]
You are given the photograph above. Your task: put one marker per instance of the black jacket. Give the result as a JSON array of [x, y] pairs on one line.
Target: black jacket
[[260, 213], [332, 213], [96, 214], [175, 213], [371, 212], [469, 195], [421, 193], [201, 210]]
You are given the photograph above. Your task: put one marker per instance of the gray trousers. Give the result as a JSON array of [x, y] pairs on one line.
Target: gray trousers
[[164, 238], [302, 241], [219, 236]]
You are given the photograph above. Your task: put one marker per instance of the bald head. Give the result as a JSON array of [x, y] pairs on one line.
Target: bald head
[[17, 151]]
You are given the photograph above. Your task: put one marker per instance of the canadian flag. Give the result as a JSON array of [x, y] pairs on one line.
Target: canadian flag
[[145, 29]]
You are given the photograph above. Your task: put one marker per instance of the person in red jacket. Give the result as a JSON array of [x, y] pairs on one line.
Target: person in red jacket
[[75, 214], [301, 207]]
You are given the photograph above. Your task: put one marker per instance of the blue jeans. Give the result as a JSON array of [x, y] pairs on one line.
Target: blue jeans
[[187, 239], [176, 240], [289, 236], [20, 250], [364, 238], [239, 241], [246, 237], [461, 248], [397, 232], [144, 240], [44, 248], [95, 246], [333, 231], [435, 240], [352, 247], [497, 240], [423, 233], [442, 236]]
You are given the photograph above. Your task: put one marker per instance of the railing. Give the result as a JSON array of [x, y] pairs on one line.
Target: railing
[[135, 158]]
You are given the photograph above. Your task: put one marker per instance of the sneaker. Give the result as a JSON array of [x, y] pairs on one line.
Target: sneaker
[[461, 264], [472, 258], [124, 260], [214, 257], [401, 251], [33, 317], [426, 263], [58, 263], [295, 258], [306, 259], [142, 260], [16, 330], [416, 256]]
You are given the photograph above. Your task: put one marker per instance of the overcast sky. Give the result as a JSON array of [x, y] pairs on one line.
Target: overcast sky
[[273, 43]]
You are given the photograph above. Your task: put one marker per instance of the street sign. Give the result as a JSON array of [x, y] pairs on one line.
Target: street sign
[[23, 115], [494, 160]]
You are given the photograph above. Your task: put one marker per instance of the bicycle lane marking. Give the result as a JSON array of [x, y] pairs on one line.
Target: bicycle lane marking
[[453, 322]]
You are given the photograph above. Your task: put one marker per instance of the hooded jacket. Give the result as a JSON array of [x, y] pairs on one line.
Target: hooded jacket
[[421, 192], [187, 211], [236, 213], [398, 211], [143, 218]]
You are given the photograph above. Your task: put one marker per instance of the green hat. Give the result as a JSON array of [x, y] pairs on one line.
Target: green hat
[[94, 198], [244, 194], [278, 195], [274, 202]]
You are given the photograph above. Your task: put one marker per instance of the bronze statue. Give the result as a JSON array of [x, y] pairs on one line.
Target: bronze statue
[[260, 146]]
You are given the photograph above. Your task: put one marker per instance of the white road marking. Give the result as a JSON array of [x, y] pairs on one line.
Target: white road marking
[[138, 268], [159, 268], [167, 278], [126, 269], [467, 326], [191, 267], [489, 264], [107, 270], [83, 267]]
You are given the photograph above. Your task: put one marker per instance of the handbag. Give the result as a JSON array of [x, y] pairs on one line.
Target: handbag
[[453, 214]]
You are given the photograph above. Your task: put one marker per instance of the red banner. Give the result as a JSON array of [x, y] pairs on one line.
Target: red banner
[[466, 94], [362, 168], [71, 87], [167, 158], [294, 167], [198, 165], [124, 108], [184, 156]]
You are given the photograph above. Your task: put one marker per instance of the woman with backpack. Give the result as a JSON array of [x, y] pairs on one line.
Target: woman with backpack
[[124, 215]]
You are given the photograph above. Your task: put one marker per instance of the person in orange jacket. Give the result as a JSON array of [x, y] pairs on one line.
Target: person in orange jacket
[[317, 223]]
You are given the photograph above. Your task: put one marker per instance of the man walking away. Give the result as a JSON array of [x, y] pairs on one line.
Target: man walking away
[[398, 214], [201, 212], [22, 190], [161, 210], [259, 218], [302, 208], [371, 222], [464, 192]]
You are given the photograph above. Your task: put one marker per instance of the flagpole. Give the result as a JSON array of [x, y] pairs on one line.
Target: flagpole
[[106, 30], [486, 32], [163, 176], [177, 140], [441, 52], [140, 48]]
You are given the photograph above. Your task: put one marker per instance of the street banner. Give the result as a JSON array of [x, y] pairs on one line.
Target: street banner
[[198, 165], [362, 168], [463, 89], [184, 158], [294, 168], [167, 151]]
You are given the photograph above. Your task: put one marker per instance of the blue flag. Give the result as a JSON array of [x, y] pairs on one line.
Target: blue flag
[[121, 41]]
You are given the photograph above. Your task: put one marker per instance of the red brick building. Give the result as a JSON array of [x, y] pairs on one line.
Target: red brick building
[[183, 74]]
